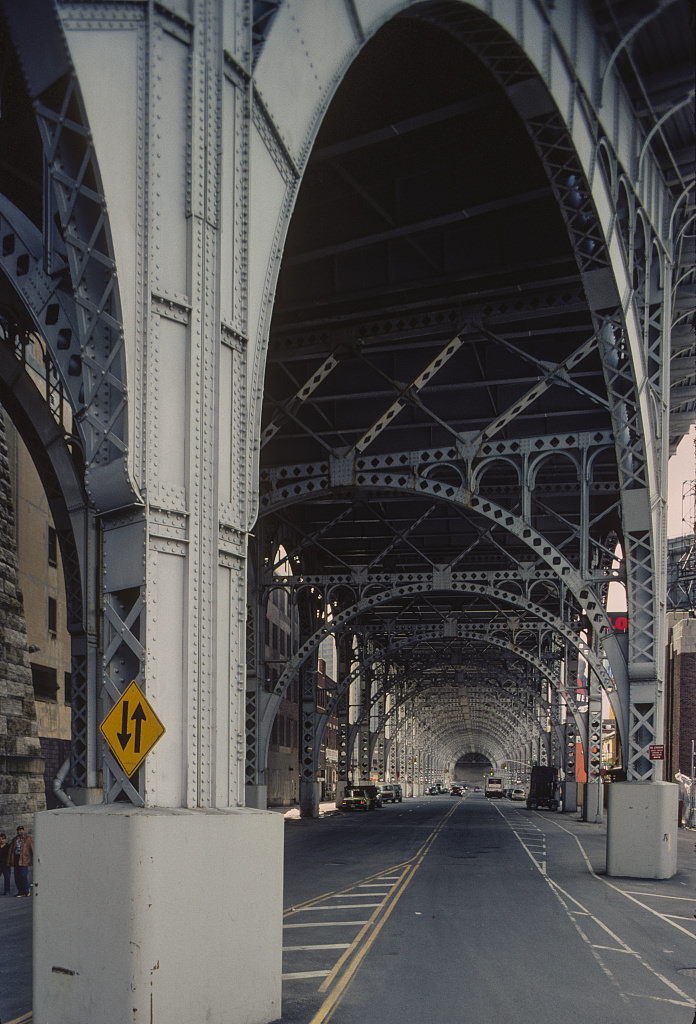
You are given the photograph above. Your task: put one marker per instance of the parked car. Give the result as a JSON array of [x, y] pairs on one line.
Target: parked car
[[518, 794], [358, 798]]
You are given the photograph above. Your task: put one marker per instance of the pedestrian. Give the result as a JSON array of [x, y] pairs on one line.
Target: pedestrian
[[5, 863], [22, 857]]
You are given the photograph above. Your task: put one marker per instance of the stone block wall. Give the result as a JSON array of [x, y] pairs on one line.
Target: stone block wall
[[22, 791]]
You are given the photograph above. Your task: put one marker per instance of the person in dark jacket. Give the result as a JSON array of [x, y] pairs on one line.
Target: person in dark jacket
[[21, 858], [5, 869]]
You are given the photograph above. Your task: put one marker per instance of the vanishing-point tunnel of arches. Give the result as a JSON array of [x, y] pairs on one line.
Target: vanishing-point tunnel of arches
[[456, 449], [438, 407], [393, 289]]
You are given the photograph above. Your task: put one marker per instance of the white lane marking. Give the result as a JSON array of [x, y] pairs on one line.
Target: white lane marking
[[328, 945], [347, 906], [379, 888], [558, 890], [660, 999], [657, 895], [324, 924], [625, 892], [357, 895], [611, 949], [538, 858], [303, 975]]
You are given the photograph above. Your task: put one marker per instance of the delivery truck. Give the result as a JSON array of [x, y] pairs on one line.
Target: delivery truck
[[543, 788]]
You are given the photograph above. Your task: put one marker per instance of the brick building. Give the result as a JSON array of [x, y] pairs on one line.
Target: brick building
[[680, 709], [680, 704]]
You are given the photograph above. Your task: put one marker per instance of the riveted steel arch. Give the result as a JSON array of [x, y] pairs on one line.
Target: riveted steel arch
[[474, 637], [515, 725], [65, 276], [30, 391], [582, 179], [380, 595], [480, 637]]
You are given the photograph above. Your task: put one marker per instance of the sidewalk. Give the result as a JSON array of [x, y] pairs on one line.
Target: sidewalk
[[294, 811], [594, 841]]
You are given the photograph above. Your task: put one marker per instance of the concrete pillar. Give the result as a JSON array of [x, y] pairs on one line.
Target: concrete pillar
[[189, 912], [642, 829], [570, 796], [256, 797]]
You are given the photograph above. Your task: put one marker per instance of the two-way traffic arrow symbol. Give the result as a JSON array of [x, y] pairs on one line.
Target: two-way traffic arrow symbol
[[138, 717], [131, 743], [124, 735]]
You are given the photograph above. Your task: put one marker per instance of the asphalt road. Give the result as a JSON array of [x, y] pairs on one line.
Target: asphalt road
[[15, 956], [459, 911], [448, 911]]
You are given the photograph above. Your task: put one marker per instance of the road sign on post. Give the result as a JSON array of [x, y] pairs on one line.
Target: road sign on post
[[131, 729]]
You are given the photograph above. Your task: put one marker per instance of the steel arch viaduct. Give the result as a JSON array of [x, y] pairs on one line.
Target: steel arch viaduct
[[397, 294]]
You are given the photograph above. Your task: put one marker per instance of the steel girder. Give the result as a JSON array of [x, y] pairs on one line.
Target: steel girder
[[452, 717], [353, 597], [426, 654], [64, 281], [632, 329], [624, 318], [454, 713], [352, 461], [81, 322], [31, 392]]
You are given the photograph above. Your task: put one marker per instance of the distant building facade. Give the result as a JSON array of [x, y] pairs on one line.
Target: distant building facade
[[40, 580], [22, 790]]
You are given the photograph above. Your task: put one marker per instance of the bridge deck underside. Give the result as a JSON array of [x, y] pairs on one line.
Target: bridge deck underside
[[431, 341]]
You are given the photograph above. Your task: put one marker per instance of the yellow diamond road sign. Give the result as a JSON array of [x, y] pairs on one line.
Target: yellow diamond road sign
[[131, 729]]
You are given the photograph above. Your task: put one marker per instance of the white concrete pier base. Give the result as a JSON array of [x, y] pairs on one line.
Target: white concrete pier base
[[157, 915], [570, 797], [642, 829], [593, 806], [256, 796]]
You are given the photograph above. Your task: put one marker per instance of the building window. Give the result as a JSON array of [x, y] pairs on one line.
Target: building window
[[45, 682], [67, 688], [52, 616], [52, 546]]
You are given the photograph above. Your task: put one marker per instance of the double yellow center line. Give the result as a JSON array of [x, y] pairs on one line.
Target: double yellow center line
[[346, 967]]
